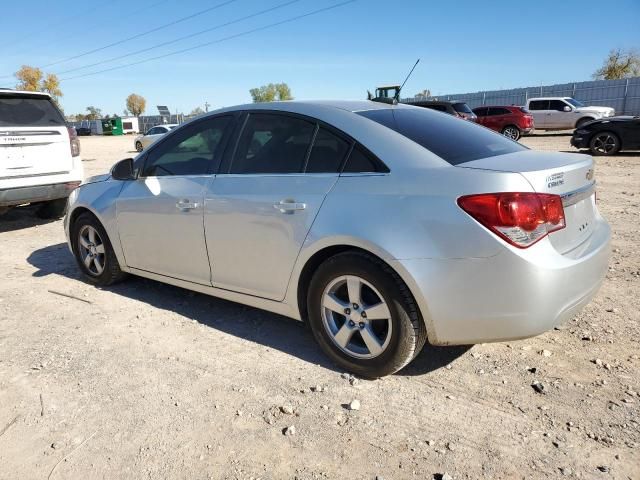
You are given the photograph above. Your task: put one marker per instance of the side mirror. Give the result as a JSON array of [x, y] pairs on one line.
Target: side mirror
[[567, 108], [123, 170]]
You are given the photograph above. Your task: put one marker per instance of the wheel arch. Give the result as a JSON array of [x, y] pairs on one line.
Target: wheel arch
[[584, 119], [315, 259]]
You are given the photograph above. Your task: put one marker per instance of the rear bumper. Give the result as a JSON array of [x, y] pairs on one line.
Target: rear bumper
[[36, 193], [512, 295]]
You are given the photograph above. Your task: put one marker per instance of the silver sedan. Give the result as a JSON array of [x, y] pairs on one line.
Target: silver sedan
[[152, 135], [382, 226]]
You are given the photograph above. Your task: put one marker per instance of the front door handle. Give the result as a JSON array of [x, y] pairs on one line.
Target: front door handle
[[289, 206], [185, 204]]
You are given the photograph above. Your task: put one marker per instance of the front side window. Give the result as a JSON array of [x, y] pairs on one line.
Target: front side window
[[574, 102], [272, 143], [481, 111], [447, 137], [557, 105], [191, 151], [327, 153]]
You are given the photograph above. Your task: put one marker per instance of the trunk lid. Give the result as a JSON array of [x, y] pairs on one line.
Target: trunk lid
[[34, 139], [569, 175]]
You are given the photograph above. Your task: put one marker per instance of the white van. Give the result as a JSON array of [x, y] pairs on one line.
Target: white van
[[39, 154]]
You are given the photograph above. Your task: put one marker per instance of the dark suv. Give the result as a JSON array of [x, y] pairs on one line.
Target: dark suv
[[457, 109]]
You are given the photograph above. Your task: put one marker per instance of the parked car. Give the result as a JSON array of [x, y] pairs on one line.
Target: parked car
[[564, 113], [380, 225], [608, 136], [455, 108], [512, 122], [83, 131], [39, 154], [153, 134]]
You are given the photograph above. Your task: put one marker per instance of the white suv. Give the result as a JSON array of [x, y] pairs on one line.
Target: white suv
[[39, 155], [563, 113]]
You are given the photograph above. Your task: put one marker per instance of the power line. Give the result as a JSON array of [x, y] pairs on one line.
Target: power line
[[226, 24], [127, 13], [180, 20], [220, 40]]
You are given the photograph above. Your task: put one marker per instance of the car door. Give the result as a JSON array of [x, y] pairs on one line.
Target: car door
[[260, 208], [160, 214], [557, 117], [540, 111]]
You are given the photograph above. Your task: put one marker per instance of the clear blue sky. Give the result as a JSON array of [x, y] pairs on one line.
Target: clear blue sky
[[464, 46]]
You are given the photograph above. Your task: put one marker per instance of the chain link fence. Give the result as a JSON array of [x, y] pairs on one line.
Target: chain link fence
[[623, 95]]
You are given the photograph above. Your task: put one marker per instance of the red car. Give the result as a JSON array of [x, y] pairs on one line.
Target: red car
[[512, 122]]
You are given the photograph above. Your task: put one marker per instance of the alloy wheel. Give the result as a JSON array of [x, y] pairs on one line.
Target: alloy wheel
[[511, 132], [356, 317], [91, 250], [604, 144]]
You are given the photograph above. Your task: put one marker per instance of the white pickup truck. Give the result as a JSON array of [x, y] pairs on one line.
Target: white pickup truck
[[39, 154], [563, 113]]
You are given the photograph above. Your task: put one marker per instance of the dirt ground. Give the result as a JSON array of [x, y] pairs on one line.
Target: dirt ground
[[145, 380]]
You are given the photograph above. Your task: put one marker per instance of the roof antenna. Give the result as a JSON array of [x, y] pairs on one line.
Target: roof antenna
[[397, 95]]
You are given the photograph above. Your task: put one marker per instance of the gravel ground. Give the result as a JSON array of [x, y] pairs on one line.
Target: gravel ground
[[145, 380]]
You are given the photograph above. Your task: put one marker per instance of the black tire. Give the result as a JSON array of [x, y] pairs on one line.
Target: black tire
[[139, 147], [52, 209], [604, 144], [111, 273], [408, 332], [512, 132], [582, 121]]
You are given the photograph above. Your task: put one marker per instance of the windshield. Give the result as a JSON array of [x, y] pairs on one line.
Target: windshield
[[28, 110], [452, 139], [462, 108], [574, 102]]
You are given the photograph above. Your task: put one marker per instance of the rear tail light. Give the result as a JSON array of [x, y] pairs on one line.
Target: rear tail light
[[74, 143], [521, 219]]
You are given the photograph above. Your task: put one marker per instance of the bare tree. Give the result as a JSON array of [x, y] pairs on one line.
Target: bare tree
[[619, 64]]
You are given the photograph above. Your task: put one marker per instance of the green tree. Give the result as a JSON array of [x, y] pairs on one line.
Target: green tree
[[271, 93], [136, 104], [619, 64], [94, 113]]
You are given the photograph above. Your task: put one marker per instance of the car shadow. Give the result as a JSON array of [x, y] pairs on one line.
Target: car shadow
[[19, 218], [551, 134], [255, 325]]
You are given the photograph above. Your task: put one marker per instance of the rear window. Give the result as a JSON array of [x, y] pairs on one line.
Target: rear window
[[452, 139], [28, 110], [462, 108]]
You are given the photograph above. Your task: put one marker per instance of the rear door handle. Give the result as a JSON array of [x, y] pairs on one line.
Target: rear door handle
[[185, 204], [289, 206]]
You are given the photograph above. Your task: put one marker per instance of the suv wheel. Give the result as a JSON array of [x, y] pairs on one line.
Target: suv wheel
[[604, 143], [512, 132], [363, 316], [93, 251], [52, 209]]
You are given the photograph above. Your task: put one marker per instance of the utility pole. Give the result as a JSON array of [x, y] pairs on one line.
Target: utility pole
[[206, 106]]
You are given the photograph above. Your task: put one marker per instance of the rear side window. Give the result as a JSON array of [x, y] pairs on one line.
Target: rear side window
[[481, 111], [498, 111], [455, 141], [272, 143], [360, 162], [327, 153], [462, 108], [539, 105], [28, 110]]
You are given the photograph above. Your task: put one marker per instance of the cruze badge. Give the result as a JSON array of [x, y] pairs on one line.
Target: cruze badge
[[555, 180]]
